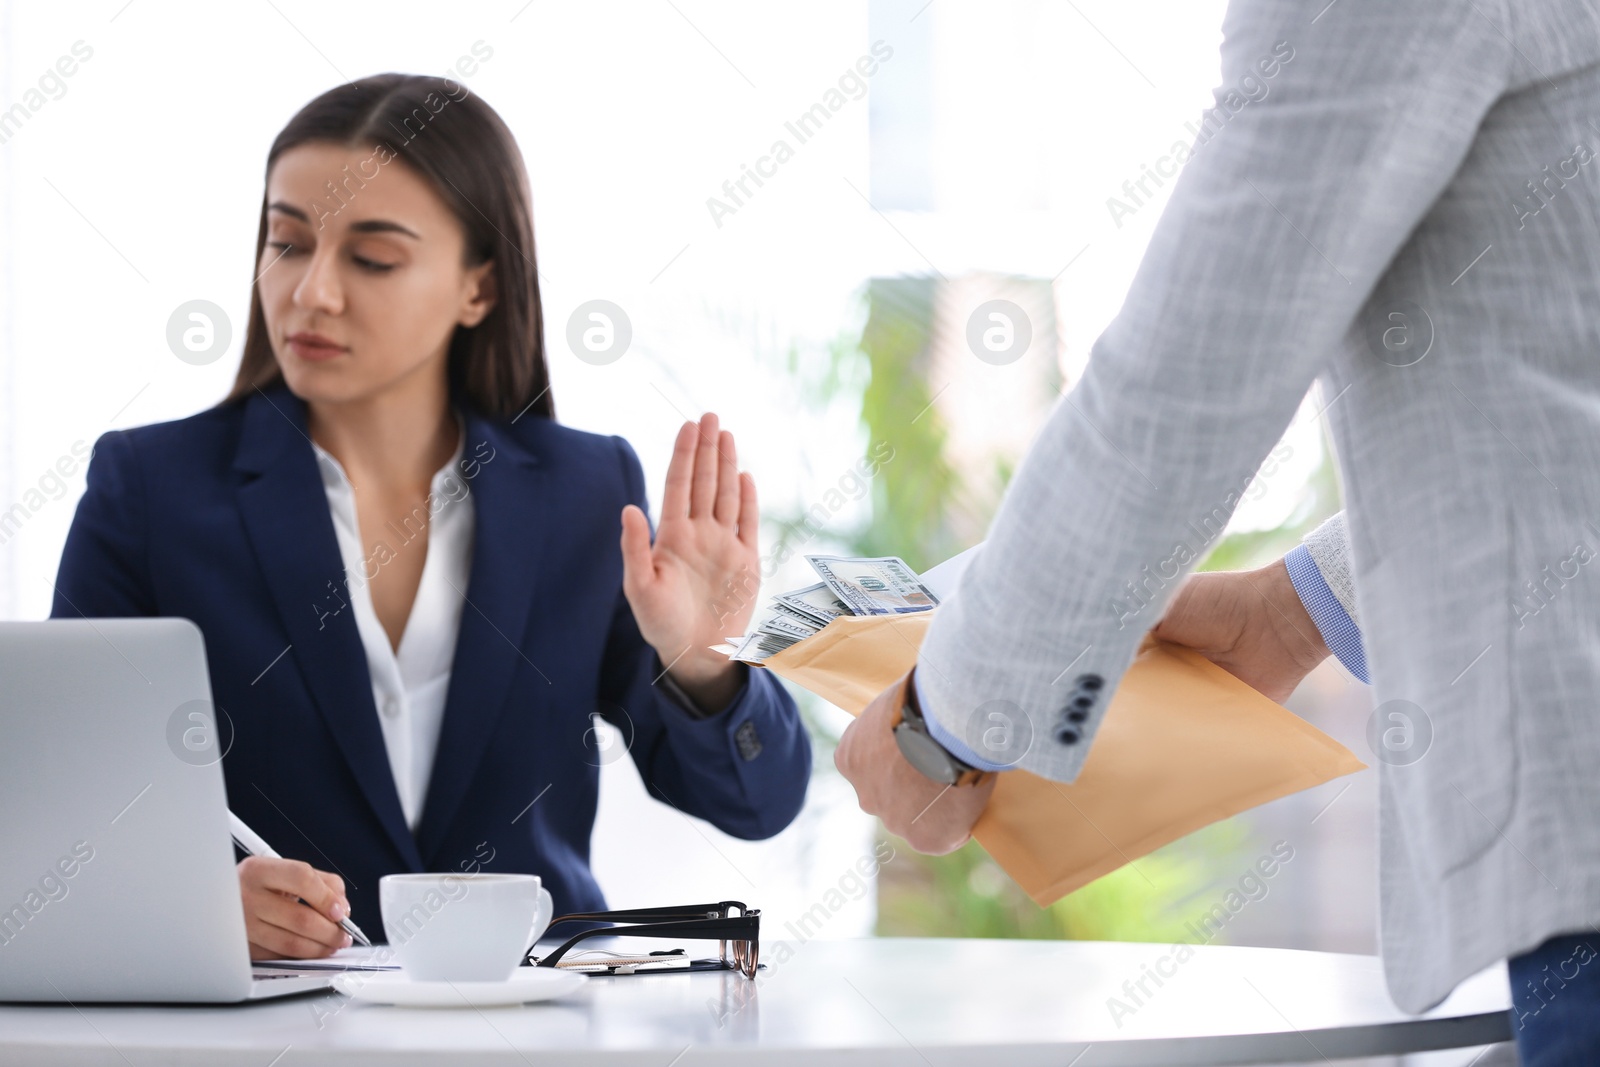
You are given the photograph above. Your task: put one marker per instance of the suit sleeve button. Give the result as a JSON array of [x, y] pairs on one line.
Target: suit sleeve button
[[1090, 682], [1067, 735]]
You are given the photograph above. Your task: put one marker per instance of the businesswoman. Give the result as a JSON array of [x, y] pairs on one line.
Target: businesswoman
[[415, 587]]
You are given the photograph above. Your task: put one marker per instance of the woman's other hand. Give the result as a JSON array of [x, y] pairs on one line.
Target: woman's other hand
[[697, 583], [278, 925]]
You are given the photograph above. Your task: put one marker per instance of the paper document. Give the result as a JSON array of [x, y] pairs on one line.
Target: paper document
[[354, 958]]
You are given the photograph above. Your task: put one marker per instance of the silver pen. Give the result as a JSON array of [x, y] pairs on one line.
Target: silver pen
[[252, 843]]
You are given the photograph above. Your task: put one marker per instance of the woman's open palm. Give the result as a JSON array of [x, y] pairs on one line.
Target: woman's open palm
[[697, 583]]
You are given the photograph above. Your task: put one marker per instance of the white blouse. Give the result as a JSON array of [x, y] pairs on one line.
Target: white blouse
[[409, 683]]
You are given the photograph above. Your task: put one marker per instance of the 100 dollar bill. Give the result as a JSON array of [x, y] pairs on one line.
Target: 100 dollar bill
[[881, 585]]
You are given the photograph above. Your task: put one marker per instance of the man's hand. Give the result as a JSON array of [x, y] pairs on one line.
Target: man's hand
[[1250, 623], [932, 817]]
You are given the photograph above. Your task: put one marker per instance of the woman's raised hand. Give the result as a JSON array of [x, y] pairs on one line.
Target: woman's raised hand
[[697, 583]]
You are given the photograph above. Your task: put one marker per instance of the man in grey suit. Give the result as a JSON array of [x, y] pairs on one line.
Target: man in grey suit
[[1412, 215]]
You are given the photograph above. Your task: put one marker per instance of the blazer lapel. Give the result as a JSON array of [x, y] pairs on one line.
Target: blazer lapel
[[286, 517], [507, 491]]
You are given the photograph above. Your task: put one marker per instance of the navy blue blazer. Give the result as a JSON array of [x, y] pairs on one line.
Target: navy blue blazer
[[221, 518]]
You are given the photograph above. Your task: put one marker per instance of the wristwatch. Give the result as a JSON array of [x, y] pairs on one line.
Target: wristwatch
[[930, 758]]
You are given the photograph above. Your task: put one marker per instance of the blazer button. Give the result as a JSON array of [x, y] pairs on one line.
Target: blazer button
[[748, 741]]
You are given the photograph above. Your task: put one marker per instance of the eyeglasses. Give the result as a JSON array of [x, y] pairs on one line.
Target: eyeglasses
[[735, 926]]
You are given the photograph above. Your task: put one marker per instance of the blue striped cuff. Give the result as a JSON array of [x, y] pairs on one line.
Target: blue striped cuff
[[1334, 623], [951, 743]]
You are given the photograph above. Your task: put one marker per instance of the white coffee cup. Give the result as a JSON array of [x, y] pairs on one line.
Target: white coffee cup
[[462, 927]]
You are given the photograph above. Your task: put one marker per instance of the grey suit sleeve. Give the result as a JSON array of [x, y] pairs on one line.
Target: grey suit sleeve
[[1279, 227]]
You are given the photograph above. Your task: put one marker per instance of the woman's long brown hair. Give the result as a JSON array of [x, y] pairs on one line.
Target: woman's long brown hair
[[465, 151]]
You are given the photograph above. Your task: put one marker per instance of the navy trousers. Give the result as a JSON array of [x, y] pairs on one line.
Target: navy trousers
[[1555, 1002]]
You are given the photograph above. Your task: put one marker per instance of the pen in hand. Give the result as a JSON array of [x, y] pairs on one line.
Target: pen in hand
[[253, 845]]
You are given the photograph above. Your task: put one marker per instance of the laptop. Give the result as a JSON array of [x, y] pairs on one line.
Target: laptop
[[117, 879]]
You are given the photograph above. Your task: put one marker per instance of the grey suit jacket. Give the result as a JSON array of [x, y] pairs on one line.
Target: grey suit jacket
[[1411, 213]]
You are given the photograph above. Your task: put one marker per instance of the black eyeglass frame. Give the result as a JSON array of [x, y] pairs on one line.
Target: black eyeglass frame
[[742, 931]]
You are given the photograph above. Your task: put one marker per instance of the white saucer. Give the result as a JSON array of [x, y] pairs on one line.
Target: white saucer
[[393, 987]]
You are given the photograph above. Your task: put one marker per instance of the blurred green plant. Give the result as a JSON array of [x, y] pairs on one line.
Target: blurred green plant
[[966, 894]]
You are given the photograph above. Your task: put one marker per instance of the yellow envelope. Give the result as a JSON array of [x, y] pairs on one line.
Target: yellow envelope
[[1182, 745]]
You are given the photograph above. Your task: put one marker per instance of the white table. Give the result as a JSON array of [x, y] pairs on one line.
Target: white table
[[890, 1002]]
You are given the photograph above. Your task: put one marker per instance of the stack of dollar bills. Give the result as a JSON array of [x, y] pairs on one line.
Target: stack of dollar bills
[[883, 585]]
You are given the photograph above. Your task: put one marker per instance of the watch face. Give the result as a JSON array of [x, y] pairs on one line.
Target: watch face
[[925, 754]]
